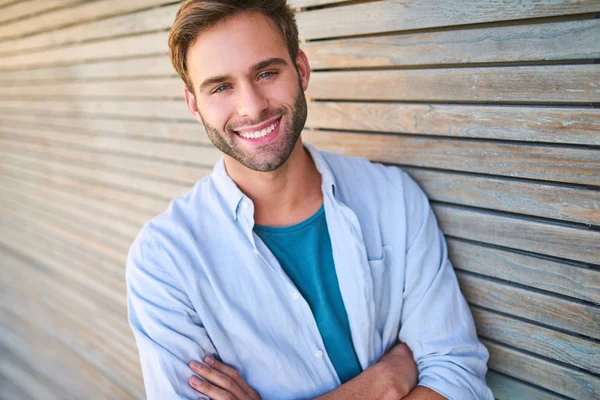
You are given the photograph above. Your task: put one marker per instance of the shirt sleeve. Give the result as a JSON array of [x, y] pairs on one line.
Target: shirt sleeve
[[437, 323], [167, 329]]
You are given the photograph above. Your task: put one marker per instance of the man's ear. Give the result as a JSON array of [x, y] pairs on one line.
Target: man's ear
[[190, 101], [303, 69]]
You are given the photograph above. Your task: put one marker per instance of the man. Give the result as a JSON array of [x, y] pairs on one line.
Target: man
[[289, 273]]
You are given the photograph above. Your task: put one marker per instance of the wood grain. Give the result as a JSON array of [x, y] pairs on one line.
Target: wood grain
[[91, 109], [574, 281], [554, 377], [578, 244], [119, 153], [402, 15], [578, 125], [559, 164], [529, 198], [570, 40], [76, 14], [24, 9], [506, 388], [186, 132], [526, 84], [552, 311], [554, 345], [131, 46]]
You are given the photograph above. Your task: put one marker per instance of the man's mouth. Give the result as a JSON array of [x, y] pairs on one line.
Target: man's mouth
[[259, 133]]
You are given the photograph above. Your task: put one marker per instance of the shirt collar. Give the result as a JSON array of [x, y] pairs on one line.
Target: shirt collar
[[232, 195]]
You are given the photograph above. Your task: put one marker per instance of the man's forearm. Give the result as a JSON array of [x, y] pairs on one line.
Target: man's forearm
[[423, 393]]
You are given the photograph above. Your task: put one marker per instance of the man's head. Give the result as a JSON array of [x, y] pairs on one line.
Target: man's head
[[245, 76]]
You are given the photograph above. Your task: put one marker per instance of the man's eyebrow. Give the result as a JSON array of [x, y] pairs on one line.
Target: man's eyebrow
[[211, 81], [280, 62], [256, 67]]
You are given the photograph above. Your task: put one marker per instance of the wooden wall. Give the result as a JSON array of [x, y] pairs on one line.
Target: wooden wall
[[491, 105]]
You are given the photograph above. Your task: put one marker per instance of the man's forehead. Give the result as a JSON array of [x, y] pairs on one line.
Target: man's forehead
[[239, 41]]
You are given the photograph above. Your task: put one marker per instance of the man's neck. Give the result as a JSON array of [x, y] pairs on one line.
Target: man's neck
[[286, 196]]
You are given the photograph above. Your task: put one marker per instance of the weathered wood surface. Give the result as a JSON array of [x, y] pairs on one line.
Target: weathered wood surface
[[551, 163], [572, 350], [558, 378], [119, 179], [133, 46], [538, 199], [506, 388], [402, 15], [557, 240], [577, 125], [23, 9], [565, 40], [552, 311], [568, 279], [41, 22], [524, 84], [113, 152], [149, 129]]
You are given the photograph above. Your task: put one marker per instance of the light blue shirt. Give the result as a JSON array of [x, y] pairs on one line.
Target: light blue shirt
[[200, 281]]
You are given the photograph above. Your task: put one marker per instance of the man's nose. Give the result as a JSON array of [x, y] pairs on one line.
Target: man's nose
[[251, 102]]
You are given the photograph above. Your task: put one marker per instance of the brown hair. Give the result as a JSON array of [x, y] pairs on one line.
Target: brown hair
[[195, 16]]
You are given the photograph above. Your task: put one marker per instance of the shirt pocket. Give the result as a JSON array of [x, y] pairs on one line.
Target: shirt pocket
[[381, 287]]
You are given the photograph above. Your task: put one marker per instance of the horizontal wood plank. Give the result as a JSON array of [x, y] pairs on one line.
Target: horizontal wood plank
[[131, 46], [555, 345], [117, 180], [578, 125], [571, 40], [549, 310], [506, 388], [537, 199], [23, 10], [186, 132], [151, 20], [75, 14], [566, 381], [176, 173], [92, 109], [525, 84], [137, 205], [402, 15], [570, 165], [541, 273], [578, 244]]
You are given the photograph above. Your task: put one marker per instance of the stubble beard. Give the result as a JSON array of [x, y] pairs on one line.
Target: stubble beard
[[273, 155]]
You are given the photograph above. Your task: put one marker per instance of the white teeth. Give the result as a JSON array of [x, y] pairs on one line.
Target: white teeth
[[259, 134]]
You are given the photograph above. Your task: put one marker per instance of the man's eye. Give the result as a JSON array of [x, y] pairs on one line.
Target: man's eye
[[266, 75], [221, 89]]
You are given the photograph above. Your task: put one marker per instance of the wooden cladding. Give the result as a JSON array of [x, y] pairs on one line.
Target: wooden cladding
[[491, 106]]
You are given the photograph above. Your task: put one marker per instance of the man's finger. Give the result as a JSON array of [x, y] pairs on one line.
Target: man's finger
[[213, 392], [233, 374], [220, 380]]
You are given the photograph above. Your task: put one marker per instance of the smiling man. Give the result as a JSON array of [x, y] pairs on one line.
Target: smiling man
[[289, 273]]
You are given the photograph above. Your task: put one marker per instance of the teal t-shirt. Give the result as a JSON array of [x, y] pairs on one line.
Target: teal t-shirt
[[305, 254]]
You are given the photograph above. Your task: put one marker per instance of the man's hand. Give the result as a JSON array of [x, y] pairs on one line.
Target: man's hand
[[399, 369], [391, 378], [222, 382]]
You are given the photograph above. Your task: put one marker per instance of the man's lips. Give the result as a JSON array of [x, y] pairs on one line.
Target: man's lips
[[260, 131], [257, 128]]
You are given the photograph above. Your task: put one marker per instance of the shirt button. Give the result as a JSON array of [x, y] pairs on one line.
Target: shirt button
[[295, 296], [244, 204], [318, 354]]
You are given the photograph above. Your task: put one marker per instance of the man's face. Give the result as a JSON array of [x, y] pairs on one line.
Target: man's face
[[249, 95]]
